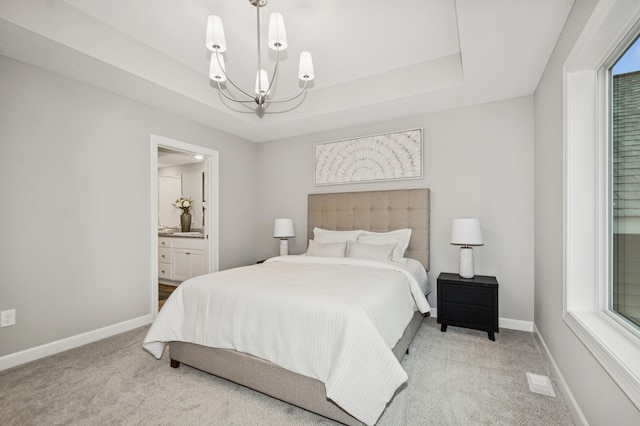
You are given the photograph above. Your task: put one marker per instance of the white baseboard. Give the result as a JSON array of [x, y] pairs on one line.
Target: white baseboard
[[574, 408], [32, 354], [508, 323], [513, 324]]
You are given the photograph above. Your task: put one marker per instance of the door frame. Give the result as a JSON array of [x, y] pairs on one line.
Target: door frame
[[212, 211]]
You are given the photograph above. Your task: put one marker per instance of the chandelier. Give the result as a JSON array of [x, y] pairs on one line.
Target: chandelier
[[216, 42]]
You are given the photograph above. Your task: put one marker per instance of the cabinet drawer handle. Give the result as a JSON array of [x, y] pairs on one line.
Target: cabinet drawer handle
[[163, 256], [163, 271], [188, 253]]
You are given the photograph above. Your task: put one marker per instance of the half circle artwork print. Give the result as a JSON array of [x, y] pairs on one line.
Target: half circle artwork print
[[386, 156]]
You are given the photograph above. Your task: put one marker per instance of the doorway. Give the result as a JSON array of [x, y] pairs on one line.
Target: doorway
[[209, 205]]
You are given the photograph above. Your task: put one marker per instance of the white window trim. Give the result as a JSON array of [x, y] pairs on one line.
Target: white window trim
[[586, 183]]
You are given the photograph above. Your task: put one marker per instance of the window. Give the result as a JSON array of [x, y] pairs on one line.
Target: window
[[592, 228], [625, 192]]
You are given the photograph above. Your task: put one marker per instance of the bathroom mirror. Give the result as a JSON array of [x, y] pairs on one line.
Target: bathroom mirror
[[169, 190], [179, 174]]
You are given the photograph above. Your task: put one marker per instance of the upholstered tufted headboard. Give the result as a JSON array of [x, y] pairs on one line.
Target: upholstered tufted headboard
[[377, 211]]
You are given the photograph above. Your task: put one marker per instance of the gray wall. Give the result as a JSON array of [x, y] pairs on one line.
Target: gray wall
[[599, 398], [75, 184], [478, 162]]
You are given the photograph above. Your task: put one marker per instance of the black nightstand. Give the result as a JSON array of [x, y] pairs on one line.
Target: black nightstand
[[468, 302]]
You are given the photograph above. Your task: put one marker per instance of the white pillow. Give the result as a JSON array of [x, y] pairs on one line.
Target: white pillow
[[381, 252], [326, 249], [401, 237], [328, 236]]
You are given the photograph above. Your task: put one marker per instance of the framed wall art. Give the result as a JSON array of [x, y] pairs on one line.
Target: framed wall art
[[386, 156]]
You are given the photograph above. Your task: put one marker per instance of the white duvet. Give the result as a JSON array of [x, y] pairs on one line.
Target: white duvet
[[333, 319]]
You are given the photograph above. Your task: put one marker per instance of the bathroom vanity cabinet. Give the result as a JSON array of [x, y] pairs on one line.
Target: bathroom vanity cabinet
[[181, 258]]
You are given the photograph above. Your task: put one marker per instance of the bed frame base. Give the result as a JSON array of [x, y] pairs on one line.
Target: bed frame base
[[272, 380]]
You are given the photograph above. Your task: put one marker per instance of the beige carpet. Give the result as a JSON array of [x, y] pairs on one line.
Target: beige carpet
[[456, 378]]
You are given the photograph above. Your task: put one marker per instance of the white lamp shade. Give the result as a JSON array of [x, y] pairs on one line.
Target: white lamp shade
[[217, 70], [283, 228], [466, 232], [277, 32], [305, 70], [262, 82], [215, 34]]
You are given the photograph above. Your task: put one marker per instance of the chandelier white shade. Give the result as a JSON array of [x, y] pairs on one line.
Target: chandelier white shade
[[215, 34], [277, 32], [466, 233], [277, 41], [305, 70], [283, 229], [262, 83], [217, 71]]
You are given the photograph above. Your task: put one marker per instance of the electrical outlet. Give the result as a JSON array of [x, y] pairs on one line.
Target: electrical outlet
[[8, 318]]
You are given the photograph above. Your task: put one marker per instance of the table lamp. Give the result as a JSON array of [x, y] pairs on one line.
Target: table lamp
[[466, 232], [283, 229]]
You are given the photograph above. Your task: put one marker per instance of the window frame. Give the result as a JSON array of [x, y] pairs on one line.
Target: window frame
[[611, 28]]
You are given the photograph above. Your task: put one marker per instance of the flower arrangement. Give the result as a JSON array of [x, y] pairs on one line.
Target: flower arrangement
[[184, 204]]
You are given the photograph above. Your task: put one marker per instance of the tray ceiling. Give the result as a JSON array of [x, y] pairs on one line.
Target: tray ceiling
[[374, 60]]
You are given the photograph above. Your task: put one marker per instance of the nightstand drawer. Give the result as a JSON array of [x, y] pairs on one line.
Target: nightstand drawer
[[468, 294], [467, 315]]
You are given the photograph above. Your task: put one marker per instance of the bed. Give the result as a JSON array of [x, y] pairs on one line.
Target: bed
[[373, 211]]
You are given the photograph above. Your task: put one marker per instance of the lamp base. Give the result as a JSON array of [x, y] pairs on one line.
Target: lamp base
[[466, 262], [284, 247]]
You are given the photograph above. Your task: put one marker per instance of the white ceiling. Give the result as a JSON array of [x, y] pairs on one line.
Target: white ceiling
[[169, 158], [374, 60]]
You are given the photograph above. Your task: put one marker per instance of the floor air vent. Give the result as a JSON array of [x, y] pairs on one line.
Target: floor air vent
[[540, 384]]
